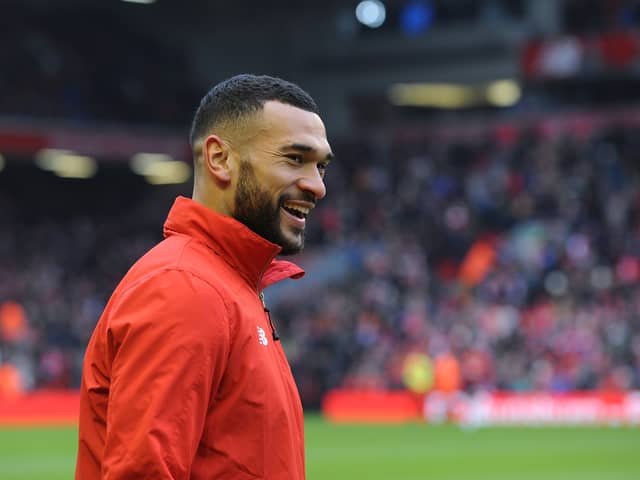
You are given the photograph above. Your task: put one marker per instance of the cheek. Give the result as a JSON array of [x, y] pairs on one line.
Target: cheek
[[275, 187], [275, 182]]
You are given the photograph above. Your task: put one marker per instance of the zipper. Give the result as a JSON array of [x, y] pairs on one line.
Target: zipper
[[274, 333]]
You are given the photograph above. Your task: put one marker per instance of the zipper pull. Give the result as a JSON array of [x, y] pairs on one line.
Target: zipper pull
[[264, 305], [274, 333]]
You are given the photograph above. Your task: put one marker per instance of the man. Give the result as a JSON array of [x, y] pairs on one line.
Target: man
[[184, 376]]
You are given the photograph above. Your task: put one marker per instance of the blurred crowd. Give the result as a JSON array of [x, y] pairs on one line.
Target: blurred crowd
[[55, 277], [508, 258], [513, 257]]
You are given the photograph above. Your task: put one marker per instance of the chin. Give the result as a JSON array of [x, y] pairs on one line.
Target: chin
[[291, 241], [289, 249], [292, 247]]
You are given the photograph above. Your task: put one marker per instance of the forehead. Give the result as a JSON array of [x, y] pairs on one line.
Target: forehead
[[286, 124]]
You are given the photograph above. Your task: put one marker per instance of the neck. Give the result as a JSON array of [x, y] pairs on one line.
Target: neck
[[213, 200]]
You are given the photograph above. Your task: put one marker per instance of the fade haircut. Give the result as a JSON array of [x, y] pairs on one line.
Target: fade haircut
[[237, 97]]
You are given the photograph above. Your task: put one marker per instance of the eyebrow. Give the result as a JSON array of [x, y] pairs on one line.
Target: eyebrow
[[306, 149]]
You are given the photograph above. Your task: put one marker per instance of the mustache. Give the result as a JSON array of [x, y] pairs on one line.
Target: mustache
[[303, 197]]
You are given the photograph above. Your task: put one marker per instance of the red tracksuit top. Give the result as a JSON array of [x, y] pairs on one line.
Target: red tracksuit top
[[182, 377]]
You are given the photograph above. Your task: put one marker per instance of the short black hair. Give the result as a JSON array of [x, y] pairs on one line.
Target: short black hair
[[244, 94]]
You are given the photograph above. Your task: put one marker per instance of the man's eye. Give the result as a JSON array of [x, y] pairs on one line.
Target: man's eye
[[322, 168], [296, 158]]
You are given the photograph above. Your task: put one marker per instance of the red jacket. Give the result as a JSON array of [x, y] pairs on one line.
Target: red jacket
[[182, 377]]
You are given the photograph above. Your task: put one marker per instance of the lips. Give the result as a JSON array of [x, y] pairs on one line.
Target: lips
[[294, 217]]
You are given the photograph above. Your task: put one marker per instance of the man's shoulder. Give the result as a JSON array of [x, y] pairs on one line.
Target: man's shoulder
[[183, 254]]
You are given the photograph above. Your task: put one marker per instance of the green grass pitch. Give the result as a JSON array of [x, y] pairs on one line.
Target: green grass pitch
[[398, 452]]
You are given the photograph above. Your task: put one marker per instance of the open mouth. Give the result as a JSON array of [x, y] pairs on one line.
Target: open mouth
[[296, 210]]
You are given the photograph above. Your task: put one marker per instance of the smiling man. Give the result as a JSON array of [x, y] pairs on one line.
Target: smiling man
[[279, 155], [184, 376]]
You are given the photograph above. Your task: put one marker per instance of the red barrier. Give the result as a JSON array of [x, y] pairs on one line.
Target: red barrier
[[496, 408], [539, 408], [40, 408], [372, 406]]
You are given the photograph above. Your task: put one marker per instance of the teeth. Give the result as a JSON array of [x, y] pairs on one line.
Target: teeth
[[303, 210]]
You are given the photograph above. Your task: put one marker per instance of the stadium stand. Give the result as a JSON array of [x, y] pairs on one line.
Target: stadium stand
[[507, 250], [516, 250]]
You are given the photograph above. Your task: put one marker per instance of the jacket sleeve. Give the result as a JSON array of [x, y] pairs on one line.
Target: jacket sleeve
[[168, 339]]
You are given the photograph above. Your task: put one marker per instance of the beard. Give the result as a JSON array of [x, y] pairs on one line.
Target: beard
[[255, 208]]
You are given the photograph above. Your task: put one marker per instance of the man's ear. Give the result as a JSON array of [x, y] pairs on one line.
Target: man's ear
[[215, 153]]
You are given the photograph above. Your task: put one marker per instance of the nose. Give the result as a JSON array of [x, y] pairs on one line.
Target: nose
[[312, 182]]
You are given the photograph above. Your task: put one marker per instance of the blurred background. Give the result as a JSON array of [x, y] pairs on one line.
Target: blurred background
[[481, 232]]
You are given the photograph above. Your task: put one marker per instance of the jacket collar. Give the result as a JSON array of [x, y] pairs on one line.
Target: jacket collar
[[247, 252]]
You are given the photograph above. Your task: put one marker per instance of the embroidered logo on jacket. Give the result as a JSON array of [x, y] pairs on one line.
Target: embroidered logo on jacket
[[262, 337]]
